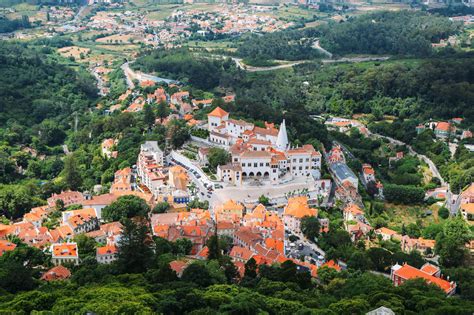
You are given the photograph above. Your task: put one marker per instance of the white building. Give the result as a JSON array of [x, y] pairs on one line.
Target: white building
[[64, 253], [260, 153], [216, 118], [106, 254]]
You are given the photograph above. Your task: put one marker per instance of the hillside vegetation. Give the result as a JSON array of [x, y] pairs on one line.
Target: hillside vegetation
[[404, 33], [394, 33]]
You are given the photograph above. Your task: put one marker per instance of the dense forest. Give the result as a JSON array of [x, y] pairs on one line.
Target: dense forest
[[287, 45], [38, 97], [181, 65], [33, 89], [392, 33], [442, 88]]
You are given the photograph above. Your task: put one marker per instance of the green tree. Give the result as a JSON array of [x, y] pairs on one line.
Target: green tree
[[162, 111], [443, 212], [134, 247], [86, 246], [161, 207], [148, 115], [71, 173], [214, 249], [264, 200], [310, 227], [251, 268], [359, 261], [197, 273], [125, 207], [183, 246], [217, 156], [177, 133]]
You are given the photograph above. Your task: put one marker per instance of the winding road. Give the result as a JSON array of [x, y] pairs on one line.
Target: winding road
[[434, 170], [239, 62]]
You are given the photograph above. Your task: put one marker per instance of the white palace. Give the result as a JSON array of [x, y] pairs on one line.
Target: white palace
[[260, 154]]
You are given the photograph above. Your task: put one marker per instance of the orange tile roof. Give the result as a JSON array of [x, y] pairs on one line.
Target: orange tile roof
[[274, 244], [6, 246], [332, 264], [65, 250], [384, 230], [443, 126], [218, 112], [266, 131], [429, 269], [468, 207], [56, 273], [204, 252], [408, 272], [368, 170], [178, 266], [238, 252], [298, 207], [354, 209], [255, 154], [107, 250]]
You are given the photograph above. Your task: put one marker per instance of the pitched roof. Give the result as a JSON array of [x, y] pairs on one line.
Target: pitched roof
[[354, 209], [178, 266], [218, 112], [266, 131], [56, 273], [107, 250], [384, 230], [238, 252], [443, 126], [408, 272], [430, 269], [255, 154], [468, 207], [298, 207]]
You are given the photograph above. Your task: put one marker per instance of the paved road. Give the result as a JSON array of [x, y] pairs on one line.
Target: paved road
[[317, 46], [103, 90], [140, 76], [128, 75], [239, 63]]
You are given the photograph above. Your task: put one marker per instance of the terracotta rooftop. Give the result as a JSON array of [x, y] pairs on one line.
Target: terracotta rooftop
[[218, 112], [408, 272]]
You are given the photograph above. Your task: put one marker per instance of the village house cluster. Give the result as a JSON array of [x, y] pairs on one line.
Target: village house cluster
[[255, 232], [360, 229], [446, 129]]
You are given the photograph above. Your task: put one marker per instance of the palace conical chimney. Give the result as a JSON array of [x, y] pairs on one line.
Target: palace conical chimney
[[282, 140]]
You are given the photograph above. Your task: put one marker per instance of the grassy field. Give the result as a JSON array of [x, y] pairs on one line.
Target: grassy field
[[161, 12], [32, 11], [211, 45], [73, 51], [292, 13], [398, 215]]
